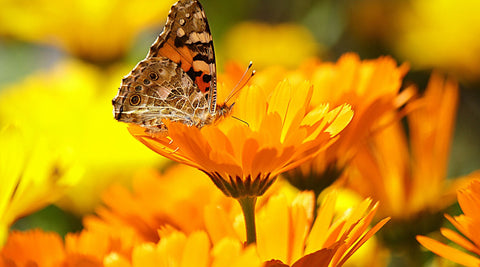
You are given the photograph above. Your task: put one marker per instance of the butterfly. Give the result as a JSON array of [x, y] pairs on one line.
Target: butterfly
[[178, 78]]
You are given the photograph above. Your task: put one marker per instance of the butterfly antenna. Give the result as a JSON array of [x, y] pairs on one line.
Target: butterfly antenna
[[247, 75]]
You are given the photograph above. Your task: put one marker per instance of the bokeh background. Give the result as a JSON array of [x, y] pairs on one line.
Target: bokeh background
[[61, 63]]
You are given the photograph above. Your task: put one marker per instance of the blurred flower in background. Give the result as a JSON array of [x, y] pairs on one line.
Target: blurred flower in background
[[32, 175], [97, 31], [430, 34], [440, 34], [267, 44], [408, 175], [396, 169], [69, 108]]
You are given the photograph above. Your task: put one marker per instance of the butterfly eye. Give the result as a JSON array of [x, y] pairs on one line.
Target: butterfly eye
[[146, 81], [138, 88], [153, 76], [135, 100]]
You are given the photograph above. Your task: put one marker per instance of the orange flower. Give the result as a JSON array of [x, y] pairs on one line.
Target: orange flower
[[408, 175], [370, 86], [282, 130], [285, 230], [38, 248], [244, 159], [35, 246], [386, 170], [468, 224], [156, 201]]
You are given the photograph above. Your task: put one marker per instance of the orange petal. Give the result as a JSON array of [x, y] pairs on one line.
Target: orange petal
[[447, 252]]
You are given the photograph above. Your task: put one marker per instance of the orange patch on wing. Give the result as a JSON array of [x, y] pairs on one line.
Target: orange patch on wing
[[201, 84], [177, 54], [185, 56]]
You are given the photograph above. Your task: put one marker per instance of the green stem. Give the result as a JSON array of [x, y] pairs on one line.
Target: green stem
[[248, 208]]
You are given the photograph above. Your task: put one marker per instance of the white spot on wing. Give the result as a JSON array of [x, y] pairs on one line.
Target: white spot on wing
[[180, 32], [203, 37], [201, 65]]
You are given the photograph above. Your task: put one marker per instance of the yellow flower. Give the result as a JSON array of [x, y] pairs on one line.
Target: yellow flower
[[468, 224], [177, 249], [69, 108], [266, 45], [441, 34], [31, 176], [98, 31], [371, 87], [286, 233], [287, 236]]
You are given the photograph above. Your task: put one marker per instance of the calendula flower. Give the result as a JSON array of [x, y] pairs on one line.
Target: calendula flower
[[69, 109], [99, 31], [177, 249], [266, 45], [33, 247], [176, 198], [289, 235], [423, 29], [410, 178], [243, 159], [286, 237], [399, 179], [286, 233], [371, 87], [39, 248], [468, 224], [31, 175]]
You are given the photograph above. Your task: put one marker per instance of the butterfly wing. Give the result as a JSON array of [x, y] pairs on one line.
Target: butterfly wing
[[187, 41], [177, 79]]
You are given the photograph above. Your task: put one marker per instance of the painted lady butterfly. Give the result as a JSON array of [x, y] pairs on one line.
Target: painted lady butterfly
[[177, 80]]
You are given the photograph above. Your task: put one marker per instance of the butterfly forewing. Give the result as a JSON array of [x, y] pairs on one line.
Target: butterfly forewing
[[177, 79], [187, 41]]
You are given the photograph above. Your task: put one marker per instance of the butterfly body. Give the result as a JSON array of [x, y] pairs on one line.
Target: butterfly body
[[177, 79]]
